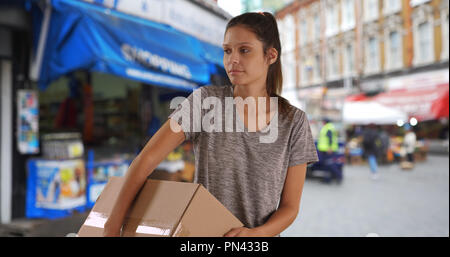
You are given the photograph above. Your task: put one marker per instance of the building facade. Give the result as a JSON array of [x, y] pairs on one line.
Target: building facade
[[342, 47]]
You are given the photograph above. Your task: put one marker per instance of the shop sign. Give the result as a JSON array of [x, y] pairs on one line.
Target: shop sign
[[153, 60], [373, 85], [27, 122], [418, 80], [180, 14]]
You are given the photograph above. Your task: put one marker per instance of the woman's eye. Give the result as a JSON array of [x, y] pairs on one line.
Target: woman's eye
[[243, 50], [227, 51]]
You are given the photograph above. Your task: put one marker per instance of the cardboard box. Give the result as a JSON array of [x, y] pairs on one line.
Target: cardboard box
[[163, 209]]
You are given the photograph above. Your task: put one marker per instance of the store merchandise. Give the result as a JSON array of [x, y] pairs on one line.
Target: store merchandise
[[55, 188]]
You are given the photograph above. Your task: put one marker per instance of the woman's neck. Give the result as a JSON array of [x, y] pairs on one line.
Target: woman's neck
[[254, 91], [245, 91]]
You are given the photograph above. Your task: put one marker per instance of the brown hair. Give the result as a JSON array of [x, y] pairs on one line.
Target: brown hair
[[264, 25]]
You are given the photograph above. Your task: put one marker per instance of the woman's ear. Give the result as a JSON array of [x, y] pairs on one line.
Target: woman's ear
[[272, 55]]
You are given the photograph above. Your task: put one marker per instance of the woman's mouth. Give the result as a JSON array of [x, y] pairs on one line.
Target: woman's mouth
[[233, 72]]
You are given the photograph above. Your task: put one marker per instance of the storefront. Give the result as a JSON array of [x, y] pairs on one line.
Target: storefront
[[420, 100], [104, 80]]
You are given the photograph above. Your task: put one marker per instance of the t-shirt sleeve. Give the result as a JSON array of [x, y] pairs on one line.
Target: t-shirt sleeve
[[302, 147], [184, 113]]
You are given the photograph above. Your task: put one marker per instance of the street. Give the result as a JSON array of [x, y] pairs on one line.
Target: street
[[400, 203]]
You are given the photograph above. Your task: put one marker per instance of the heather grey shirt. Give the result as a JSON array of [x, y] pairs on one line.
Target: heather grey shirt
[[245, 175]]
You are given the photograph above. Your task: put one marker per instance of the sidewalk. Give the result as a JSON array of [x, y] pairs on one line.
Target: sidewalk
[[43, 227], [399, 203]]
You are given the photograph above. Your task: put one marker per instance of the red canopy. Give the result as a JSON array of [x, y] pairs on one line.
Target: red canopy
[[423, 103]]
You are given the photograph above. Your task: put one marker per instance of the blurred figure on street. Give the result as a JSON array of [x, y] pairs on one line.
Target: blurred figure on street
[[328, 146], [385, 145], [371, 141], [409, 142]]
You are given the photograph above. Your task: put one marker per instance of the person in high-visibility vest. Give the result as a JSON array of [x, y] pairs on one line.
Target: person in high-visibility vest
[[327, 145]]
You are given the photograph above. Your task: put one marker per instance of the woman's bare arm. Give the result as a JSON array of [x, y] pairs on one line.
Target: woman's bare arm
[[156, 150]]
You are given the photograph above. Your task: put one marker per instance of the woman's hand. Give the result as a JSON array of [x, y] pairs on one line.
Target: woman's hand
[[110, 230], [244, 232]]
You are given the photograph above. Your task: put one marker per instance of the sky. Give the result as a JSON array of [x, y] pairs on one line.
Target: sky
[[233, 7]]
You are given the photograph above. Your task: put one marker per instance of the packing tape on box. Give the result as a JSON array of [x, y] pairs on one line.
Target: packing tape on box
[[98, 220], [134, 226]]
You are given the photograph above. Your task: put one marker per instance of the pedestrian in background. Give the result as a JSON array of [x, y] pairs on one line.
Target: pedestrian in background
[[371, 139], [385, 145], [328, 146], [409, 142]]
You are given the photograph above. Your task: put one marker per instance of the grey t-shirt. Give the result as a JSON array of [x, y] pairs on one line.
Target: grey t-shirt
[[245, 175]]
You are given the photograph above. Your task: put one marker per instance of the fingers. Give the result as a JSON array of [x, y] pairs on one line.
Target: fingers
[[233, 232]]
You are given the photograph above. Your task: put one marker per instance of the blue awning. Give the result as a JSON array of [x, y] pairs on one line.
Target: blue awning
[[82, 35]]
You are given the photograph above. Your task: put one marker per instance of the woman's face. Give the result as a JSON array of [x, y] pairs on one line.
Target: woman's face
[[243, 57]]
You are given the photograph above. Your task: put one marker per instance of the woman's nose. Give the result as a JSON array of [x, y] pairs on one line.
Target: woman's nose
[[234, 57]]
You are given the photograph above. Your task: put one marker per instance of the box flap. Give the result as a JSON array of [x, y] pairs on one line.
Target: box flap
[[206, 217], [156, 211]]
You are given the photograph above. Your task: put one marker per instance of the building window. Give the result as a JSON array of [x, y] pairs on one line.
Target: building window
[[307, 71], [349, 60], [425, 41], [370, 10], [348, 15], [303, 72], [444, 26], [289, 68], [390, 7], [394, 53], [333, 64], [317, 69], [289, 33], [332, 19], [423, 34], [372, 55], [316, 22], [303, 32]]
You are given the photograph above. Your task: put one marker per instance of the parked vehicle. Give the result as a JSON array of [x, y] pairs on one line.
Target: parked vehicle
[[320, 168]]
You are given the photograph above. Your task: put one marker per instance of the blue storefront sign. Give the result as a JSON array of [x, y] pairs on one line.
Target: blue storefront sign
[[76, 35], [55, 188]]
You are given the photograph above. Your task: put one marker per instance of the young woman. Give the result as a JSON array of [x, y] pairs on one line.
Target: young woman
[[259, 182]]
